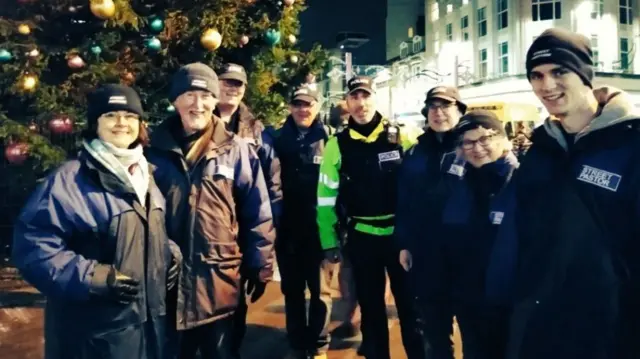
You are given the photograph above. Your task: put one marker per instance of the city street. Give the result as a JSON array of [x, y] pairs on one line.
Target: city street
[[21, 327]]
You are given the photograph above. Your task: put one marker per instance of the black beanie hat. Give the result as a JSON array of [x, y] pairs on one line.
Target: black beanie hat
[[562, 47], [479, 118], [112, 97], [194, 77]]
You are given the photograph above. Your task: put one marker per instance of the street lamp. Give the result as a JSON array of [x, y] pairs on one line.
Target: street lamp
[[348, 41]]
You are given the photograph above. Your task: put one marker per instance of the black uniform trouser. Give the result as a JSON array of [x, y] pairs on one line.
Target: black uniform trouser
[[484, 332], [213, 340], [302, 268], [239, 320], [370, 256]]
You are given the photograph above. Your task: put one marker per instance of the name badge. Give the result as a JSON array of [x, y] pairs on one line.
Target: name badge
[[456, 170], [389, 156], [317, 160], [600, 178], [224, 171], [496, 217]]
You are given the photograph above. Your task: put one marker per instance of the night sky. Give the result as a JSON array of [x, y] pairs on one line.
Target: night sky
[[324, 19]]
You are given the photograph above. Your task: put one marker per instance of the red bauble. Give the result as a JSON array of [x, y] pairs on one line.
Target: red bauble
[[61, 125], [17, 153], [75, 62]]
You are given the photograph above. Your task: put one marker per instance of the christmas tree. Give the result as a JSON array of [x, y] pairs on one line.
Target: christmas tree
[[52, 52]]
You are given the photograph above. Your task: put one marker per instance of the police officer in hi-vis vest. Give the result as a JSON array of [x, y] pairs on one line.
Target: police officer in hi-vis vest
[[360, 167]]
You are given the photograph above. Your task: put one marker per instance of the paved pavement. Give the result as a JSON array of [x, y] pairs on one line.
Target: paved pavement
[[21, 328]]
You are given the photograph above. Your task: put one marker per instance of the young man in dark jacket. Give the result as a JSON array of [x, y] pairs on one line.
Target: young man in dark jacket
[[218, 211], [477, 238], [578, 285], [422, 191], [240, 120], [300, 146]]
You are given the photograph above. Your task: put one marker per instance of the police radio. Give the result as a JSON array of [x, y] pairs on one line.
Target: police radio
[[393, 135]]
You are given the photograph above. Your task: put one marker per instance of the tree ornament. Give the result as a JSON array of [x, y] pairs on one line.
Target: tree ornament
[[96, 50], [293, 59], [16, 153], [128, 77], [211, 39], [33, 53], [5, 56], [292, 39], [171, 109], [244, 39], [154, 44], [75, 62], [156, 24], [29, 82], [61, 125], [289, 2], [272, 37], [103, 9], [24, 29], [33, 127], [72, 9]]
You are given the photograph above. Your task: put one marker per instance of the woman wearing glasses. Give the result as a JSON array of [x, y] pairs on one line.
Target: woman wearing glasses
[[478, 235], [92, 239]]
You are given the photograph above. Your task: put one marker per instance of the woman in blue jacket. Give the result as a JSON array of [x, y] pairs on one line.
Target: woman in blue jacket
[[92, 239], [477, 240]]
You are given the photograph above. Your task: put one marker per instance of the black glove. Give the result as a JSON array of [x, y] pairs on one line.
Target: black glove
[[255, 288], [332, 255], [172, 274], [122, 288]]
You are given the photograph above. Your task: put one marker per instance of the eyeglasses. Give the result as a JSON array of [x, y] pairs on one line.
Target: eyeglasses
[[443, 106], [484, 141], [115, 116]]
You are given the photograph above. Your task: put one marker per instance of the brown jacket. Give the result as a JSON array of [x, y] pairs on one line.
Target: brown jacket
[[219, 213]]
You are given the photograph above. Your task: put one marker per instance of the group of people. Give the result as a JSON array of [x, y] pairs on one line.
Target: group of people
[[150, 245]]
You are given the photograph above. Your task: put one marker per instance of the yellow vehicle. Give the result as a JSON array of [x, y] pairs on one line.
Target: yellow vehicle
[[514, 115]]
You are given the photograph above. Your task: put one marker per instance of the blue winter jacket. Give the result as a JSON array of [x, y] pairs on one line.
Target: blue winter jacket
[[80, 221]]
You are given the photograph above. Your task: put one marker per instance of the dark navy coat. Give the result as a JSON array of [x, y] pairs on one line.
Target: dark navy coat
[[578, 277], [79, 217]]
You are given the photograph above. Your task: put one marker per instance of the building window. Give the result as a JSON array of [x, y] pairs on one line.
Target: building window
[[464, 27], [596, 52], [546, 9], [624, 54], [504, 58], [503, 14], [483, 63], [417, 43], [449, 32], [626, 15], [449, 8], [597, 9], [435, 11], [482, 22]]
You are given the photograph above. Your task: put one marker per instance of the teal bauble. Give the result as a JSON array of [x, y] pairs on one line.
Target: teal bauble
[[272, 37], [154, 44], [156, 25], [5, 56]]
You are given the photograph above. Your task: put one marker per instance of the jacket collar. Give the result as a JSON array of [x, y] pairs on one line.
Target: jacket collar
[[430, 141], [164, 136]]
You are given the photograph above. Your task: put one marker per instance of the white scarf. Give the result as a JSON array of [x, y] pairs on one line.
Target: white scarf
[[119, 160]]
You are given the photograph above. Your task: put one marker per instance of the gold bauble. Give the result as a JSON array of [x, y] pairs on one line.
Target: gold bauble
[[211, 39], [24, 29], [103, 9], [29, 82]]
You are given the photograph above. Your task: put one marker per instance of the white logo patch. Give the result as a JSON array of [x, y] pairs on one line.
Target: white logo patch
[[233, 68], [120, 100], [600, 178], [496, 217], [541, 53], [389, 156], [317, 160], [199, 83], [225, 171]]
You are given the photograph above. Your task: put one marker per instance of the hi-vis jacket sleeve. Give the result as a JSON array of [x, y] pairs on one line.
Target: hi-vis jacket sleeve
[[328, 185]]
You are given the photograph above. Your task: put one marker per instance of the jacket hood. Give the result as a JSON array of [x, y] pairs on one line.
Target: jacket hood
[[615, 108]]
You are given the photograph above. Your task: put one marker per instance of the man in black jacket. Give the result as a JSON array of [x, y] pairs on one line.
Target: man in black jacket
[[240, 120], [300, 146], [578, 285]]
